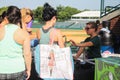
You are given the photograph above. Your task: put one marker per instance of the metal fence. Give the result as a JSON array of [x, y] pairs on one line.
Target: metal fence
[[108, 6]]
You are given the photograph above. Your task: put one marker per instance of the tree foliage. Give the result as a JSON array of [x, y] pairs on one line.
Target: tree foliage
[[38, 13], [64, 13], [2, 10]]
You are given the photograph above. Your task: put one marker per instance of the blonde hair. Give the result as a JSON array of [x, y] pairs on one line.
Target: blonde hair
[[26, 11]]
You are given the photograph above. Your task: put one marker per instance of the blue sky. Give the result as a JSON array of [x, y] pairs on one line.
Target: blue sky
[[79, 4]]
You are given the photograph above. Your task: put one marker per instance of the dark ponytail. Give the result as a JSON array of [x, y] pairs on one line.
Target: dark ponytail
[[1, 19], [13, 15], [48, 12], [2, 16]]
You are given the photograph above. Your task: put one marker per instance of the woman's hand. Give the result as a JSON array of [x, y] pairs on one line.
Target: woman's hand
[[75, 57], [28, 75], [73, 43]]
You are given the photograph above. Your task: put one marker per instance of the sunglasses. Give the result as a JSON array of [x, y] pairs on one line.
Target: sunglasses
[[87, 28]]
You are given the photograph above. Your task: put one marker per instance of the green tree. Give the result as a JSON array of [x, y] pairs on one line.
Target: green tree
[[60, 8], [65, 13], [71, 10], [62, 16], [38, 13], [3, 9]]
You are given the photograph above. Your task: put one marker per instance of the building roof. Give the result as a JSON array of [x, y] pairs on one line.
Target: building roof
[[88, 14]]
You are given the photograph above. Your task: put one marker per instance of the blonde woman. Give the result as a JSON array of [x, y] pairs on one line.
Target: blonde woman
[[27, 17]]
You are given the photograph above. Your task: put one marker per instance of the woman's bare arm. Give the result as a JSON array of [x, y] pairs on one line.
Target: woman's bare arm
[[38, 34], [80, 51], [60, 39], [27, 54]]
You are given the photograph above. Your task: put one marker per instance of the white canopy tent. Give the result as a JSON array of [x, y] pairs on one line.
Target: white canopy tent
[[86, 15]]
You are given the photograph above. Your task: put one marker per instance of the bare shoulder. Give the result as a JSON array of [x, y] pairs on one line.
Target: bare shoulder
[[21, 33], [58, 31], [38, 31]]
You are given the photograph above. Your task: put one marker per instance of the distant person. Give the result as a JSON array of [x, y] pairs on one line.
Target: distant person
[[106, 39], [48, 34], [97, 22], [116, 36], [15, 55], [105, 27], [27, 19], [3, 20], [116, 40], [91, 44]]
